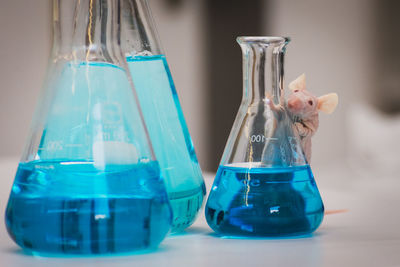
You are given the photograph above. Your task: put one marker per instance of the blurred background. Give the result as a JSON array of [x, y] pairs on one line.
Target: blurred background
[[348, 47]]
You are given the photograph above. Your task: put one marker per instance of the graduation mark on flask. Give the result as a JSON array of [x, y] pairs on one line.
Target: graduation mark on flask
[[259, 138]]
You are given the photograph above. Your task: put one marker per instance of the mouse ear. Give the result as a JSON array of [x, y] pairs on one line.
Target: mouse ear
[[327, 103], [299, 83]]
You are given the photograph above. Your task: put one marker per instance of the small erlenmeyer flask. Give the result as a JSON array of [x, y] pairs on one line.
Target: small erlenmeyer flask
[[162, 112], [88, 181], [264, 186]]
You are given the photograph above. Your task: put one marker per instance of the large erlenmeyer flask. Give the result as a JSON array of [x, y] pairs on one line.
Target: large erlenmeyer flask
[[88, 181], [264, 186], [163, 115]]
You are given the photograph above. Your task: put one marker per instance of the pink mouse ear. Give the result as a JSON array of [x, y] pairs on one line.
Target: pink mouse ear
[[327, 103], [299, 83]]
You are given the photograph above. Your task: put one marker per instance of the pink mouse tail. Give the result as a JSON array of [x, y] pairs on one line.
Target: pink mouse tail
[[328, 212]]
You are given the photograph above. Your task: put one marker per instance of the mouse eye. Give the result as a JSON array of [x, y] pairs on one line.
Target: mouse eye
[[296, 91], [310, 102]]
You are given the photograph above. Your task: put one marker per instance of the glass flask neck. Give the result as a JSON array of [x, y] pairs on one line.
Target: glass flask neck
[[88, 91], [87, 30], [263, 134], [262, 68], [139, 34]]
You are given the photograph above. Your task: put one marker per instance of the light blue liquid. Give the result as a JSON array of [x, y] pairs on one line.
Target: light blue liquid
[[89, 112], [264, 202], [74, 208], [170, 137]]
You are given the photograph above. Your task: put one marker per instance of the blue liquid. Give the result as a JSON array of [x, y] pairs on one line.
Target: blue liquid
[[264, 202], [73, 208], [170, 137]]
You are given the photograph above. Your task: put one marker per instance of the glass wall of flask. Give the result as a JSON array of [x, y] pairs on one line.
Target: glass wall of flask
[[264, 185], [163, 114], [88, 181]]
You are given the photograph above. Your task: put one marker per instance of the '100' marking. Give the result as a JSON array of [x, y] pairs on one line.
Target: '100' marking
[[259, 138]]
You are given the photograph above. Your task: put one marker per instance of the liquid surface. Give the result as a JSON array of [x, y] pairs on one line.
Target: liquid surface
[[170, 137], [264, 202], [74, 208]]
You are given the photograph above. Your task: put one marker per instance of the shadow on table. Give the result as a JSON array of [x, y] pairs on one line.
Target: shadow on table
[[162, 248], [193, 230], [307, 236]]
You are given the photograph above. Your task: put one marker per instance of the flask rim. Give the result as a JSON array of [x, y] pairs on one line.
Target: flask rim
[[263, 39]]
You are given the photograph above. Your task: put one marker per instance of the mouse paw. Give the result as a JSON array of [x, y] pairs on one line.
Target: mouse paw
[[301, 129]]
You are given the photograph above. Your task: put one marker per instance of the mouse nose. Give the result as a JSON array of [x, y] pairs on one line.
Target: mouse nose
[[294, 104]]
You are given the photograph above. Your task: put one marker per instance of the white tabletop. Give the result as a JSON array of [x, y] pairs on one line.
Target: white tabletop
[[367, 235]]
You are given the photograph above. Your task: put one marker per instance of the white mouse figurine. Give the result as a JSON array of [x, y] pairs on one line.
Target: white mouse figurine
[[305, 108]]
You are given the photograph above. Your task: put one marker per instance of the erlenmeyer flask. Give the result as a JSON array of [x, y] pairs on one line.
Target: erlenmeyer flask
[[88, 181], [264, 186], [163, 115]]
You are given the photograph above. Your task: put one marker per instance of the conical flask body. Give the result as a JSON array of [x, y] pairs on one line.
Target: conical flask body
[[264, 185], [163, 114], [88, 181]]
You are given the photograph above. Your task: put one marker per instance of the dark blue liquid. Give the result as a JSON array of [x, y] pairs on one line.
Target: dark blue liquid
[[73, 208], [264, 202]]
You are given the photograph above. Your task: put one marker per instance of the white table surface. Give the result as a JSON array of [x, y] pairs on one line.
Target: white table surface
[[367, 235]]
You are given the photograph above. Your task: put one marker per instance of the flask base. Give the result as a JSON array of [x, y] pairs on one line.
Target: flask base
[[185, 207], [72, 208], [264, 202], [270, 229], [86, 226]]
